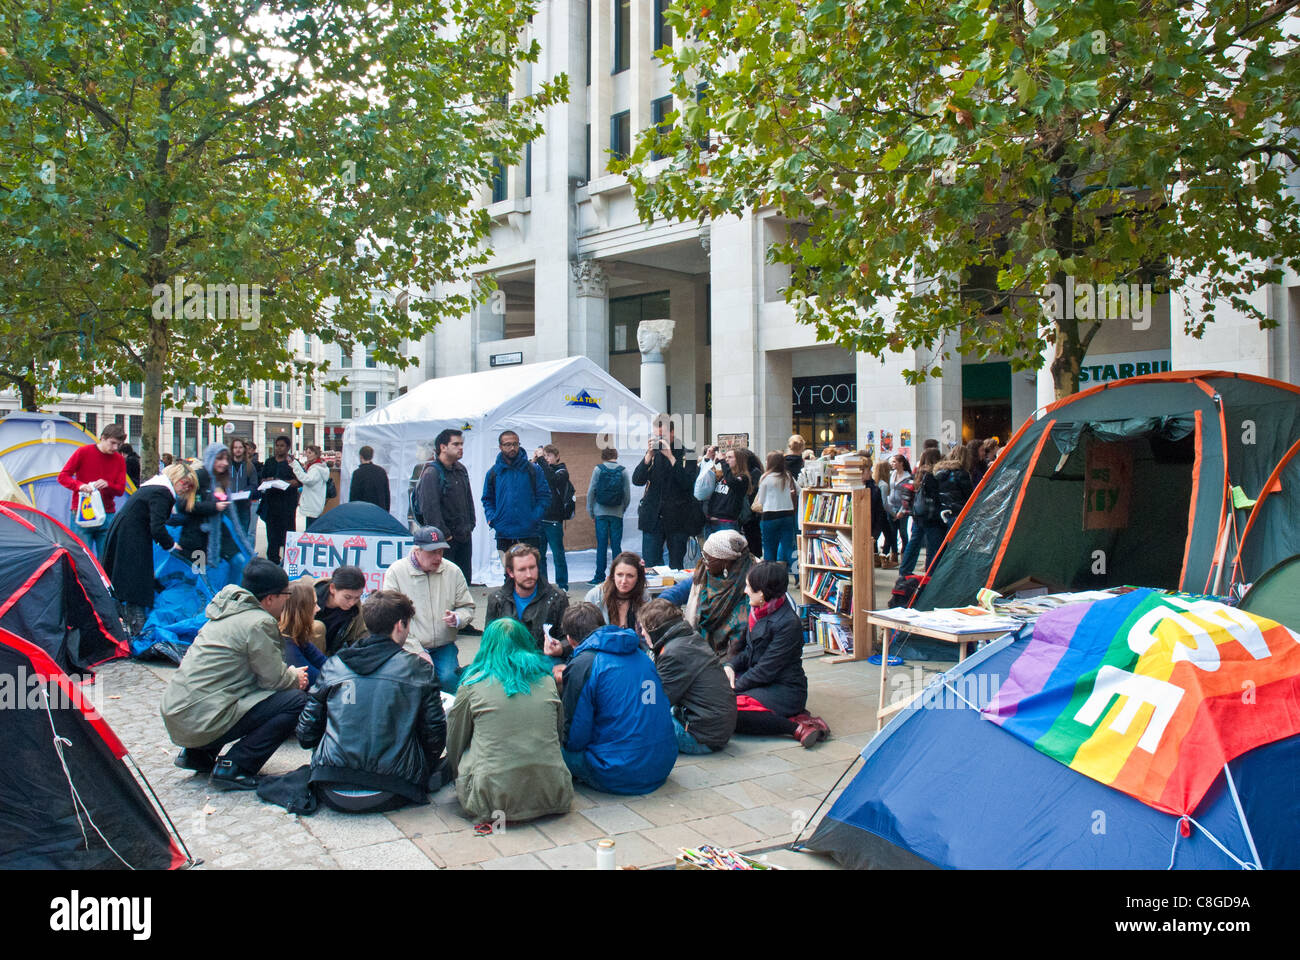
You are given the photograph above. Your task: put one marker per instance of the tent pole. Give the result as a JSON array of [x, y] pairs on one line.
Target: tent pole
[[852, 763], [161, 809], [1245, 825]]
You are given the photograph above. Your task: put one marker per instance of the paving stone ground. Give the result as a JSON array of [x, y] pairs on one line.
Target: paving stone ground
[[755, 794]]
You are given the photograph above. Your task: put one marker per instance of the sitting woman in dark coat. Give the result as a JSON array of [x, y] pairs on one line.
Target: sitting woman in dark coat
[[767, 674], [141, 522]]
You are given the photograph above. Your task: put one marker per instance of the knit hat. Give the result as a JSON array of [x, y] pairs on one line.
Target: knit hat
[[263, 578], [726, 545]]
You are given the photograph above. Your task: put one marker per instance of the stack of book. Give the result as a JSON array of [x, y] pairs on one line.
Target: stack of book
[[828, 508], [833, 632], [834, 551], [849, 470], [833, 589]]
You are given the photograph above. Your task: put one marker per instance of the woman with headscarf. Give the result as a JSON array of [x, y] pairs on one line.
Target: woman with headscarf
[[716, 607], [138, 525], [203, 531]]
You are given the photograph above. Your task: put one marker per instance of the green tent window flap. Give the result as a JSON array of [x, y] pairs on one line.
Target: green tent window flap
[[1067, 434]]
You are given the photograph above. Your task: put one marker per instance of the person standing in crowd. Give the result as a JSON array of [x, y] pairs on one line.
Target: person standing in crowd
[[715, 605], [132, 463], [253, 458], [370, 482], [205, 539], [767, 672], [357, 764], [233, 683], [608, 497], [167, 460], [559, 508], [621, 596], [723, 487], [955, 488], [140, 524], [338, 621], [989, 452], [314, 477], [505, 731], [750, 524], [664, 511], [774, 503], [922, 504], [620, 736], [888, 528], [278, 508], [794, 455], [442, 601], [515, 496], [704, 705], [526, 597], [898, 504], [297, 622], [244, 476], [446, 499], [97, 466]]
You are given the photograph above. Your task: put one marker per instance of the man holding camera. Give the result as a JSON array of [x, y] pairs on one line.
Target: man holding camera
[[665, 505]]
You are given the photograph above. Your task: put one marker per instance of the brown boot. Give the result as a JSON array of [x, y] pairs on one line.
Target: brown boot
[[807, 734]]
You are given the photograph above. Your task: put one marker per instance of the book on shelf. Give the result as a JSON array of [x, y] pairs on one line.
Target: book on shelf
[[828, 508], [848, 472], [827, 551], [831, 588], [833, 632]]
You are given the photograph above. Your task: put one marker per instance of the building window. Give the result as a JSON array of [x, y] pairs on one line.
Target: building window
[[345, 405], [306, 344], [306, 397], [135, 389], [701, 94], [136, 428], [72, 415], [370, 358], [620, 135], [622, 35], [345, 356], [659, 111], [117, 389], [372, 400], [499, 191], [277, 396], [191, 448], [625, 313], [176, 436], [663, 32]]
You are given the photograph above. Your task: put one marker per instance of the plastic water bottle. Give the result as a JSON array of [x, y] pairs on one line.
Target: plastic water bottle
[[605, 859]]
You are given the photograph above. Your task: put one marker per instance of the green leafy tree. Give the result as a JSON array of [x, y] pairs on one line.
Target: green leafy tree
[[947, 161], [183, 185]]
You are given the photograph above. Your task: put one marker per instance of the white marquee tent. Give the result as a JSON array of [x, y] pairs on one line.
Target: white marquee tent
[[535, 400]]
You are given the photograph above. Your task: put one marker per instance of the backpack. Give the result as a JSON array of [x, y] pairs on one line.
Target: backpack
[[609, 487], [925, 508], [331, 489], [905, 588], [416, 513], [563, 497]]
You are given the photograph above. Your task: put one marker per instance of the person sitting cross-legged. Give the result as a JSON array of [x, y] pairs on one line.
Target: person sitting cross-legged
[[620, 731], [233, 683], [375, 717], [704, 705], [505, 730]]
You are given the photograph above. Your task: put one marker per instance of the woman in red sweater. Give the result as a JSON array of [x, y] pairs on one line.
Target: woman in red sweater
[[97, 466]]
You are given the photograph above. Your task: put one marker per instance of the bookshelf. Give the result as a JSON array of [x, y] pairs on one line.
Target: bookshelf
[[838, 590]]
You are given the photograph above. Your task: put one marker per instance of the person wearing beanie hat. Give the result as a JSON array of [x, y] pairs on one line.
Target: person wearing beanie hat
[[233, 684], [717, 608]]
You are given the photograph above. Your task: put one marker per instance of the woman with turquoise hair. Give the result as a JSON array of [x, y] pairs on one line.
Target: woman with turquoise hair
[[505, 729]]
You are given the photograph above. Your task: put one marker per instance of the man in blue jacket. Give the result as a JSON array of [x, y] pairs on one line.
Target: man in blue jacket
[[620, 736], [515, 496]]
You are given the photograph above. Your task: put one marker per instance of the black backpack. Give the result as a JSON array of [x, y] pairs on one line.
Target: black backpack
[[331, 489], [608, 491], [905, 588], [563, 496], [925, 507], [416, 513]]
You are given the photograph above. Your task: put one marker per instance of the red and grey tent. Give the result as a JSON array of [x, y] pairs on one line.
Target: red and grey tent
[[1132, 482], [67, 797], [54, 592]]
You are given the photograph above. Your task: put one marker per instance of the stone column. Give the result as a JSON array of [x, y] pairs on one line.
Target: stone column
[[653, 337], [589, 331]]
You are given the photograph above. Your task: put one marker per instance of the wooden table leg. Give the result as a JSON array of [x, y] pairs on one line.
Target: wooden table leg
[[965, 645], [886, 633]]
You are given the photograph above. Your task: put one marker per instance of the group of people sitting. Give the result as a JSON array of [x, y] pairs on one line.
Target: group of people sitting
[[606, 692]]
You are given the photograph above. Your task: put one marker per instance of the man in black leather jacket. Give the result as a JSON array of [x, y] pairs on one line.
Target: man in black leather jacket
[[375, 717]]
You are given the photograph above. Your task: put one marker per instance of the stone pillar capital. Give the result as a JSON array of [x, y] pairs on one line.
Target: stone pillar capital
[[591, 277]]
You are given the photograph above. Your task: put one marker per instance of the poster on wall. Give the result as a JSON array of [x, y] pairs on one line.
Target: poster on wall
[[886, 443], [870, 445], [320, 554], [905, 444]]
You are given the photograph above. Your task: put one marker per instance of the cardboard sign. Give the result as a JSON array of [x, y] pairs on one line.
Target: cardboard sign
[[732, 441], [1107, 486], [320, 554]]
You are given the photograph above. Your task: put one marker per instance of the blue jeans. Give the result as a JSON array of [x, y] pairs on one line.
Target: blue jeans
[[686, 743], [446, 664], [931, 534], [609, 538], [93, 538], [778, 538], [576, 761], [710, 528], [652, 548], [553, 531]]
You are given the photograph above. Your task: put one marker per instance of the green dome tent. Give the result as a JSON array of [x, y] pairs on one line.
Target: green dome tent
[[1276, 594], [1180, 480]]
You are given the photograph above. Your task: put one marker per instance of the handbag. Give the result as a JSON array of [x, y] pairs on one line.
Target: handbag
[[90, 510]]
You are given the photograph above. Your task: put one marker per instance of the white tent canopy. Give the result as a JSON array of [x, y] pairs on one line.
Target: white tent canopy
[[535, 400]]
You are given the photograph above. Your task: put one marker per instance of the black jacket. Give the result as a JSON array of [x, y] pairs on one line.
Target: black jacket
[[665, 504], [769, 667], [370, 484], [446, 500], [375, 719], [556, 477], [193, 537], [793, 465], [133, 532], [696, 685], [278, 507], [547, 606], [954, 487], [728, 498]]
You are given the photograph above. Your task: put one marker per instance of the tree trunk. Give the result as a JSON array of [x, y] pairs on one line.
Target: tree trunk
[[155, 361], [1066, 365]]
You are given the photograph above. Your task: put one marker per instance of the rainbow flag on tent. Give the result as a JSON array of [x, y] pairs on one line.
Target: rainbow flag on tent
[[1151, 692]]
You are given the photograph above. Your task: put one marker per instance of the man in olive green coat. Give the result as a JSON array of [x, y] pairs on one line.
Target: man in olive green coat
[[233, 684]]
